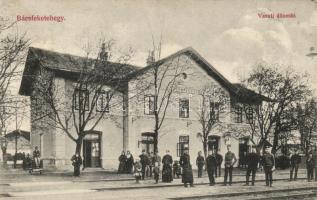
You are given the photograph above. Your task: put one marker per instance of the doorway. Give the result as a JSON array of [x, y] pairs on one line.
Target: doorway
[[213, 142], [91, 150], [244, 149], [148, 142]]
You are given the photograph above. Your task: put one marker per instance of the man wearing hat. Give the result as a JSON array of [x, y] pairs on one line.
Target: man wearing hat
[[268, 163], [230, 160], [144, 160], [252, 161], [211, 165], [295, 161]]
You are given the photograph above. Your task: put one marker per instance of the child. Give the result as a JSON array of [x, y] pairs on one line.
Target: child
[[156, 171], [176, 169], [137, 170]]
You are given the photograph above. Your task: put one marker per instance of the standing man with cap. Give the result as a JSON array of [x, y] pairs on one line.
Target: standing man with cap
[[219, 162], [252, 161], [200, 162], [144, 160], [268, 162], [211, 164], [295, 161], [230, 160]]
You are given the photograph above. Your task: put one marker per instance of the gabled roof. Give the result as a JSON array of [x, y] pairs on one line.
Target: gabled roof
[[18, 133], [241, 93], [64, 65]]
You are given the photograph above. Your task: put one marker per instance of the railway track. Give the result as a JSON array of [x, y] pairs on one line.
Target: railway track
[[304, 193]]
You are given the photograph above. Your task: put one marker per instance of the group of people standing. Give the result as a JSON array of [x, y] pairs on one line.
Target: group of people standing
[[148, 164], [213, 165]]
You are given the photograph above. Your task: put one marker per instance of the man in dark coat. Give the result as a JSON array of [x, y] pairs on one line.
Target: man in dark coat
[[76, 162], [219, 162], [144, 159], [230, 160], [268, 163], [187, 176], [252, 161], [295, 161], [310, 165], [167, 171], [200, 162], [211, 164]]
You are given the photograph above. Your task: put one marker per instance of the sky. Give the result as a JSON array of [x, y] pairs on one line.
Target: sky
[[228, 34]]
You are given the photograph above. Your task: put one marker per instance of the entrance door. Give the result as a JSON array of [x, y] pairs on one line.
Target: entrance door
[[91, 147], [148, 142], [243, 150], [213, 142]]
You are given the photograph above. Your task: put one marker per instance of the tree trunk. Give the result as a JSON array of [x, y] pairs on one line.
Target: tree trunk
[[4, 156], [16, 152], [205, 147], [156, 130], [155, 140], [79, 142], [275, 142]]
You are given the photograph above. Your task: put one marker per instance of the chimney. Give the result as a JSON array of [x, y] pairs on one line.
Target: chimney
[[103, 55], [150, 59]]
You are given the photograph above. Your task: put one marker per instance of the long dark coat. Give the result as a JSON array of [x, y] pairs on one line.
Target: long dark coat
[[122, 163], [187, 176], [129, 164], [167, 171], [211, 163]]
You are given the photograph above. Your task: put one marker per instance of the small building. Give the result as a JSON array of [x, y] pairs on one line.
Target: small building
[[134, 126], [18, 140]]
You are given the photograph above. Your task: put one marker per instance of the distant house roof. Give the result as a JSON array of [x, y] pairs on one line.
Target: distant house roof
[[241, 93], [19, 133], [64, 65]]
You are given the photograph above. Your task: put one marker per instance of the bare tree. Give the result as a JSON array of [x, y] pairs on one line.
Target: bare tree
[[12, 54], [96, 86], [282, 88], [213, 104], [307, 123]]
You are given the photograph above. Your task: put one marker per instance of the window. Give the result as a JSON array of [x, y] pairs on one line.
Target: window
[[238, 114], [249, 115], [214, 111], [184, 108], [182, 145], [149, 105], [102, 101], [81, 99]]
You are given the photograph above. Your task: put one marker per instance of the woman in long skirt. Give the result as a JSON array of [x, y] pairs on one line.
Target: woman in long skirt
[[167, 172], [187, 177], [129, 163], [122, 162]]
